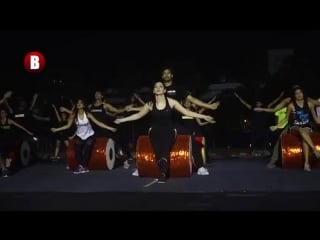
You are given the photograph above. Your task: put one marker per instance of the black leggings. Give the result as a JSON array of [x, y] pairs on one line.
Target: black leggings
[[162, 140], [83, 149]]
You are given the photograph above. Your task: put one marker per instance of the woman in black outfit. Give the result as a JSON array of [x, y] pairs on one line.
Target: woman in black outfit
[[162, 132]]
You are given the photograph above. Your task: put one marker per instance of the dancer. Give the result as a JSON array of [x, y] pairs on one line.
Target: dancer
[[180, 94], [85, 136], [259, 122], [7, 140], [162, 132], [300, 111]]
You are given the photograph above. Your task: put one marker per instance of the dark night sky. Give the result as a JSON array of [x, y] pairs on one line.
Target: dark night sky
[[138, 56]]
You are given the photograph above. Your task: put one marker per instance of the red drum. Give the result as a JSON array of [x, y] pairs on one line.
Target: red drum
[[291, 150], [102, 157], [201, 140], [180, 164], [20, 154]]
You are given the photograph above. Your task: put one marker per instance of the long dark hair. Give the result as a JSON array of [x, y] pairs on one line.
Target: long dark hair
[[75, 111], [294, 89]]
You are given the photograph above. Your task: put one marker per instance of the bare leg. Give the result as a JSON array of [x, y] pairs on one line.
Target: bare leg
[[305, 148], [56, 152], [305, 134]]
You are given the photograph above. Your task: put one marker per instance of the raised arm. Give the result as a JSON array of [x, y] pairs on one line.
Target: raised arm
[[64, 109], [176, 105], [56, 112], [247, 105], [6, 96], [275, 100], [8, 106], [33, 102], [198, 102], [19, 126], [100, 124], [286, 119], [143, 111], [139, 99]]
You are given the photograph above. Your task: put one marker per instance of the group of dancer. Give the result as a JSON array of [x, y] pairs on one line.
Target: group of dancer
[[167, 107]]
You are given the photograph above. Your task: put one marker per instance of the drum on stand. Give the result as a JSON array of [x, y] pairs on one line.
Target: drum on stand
[[292, 153], [180, 164], [102, 157]]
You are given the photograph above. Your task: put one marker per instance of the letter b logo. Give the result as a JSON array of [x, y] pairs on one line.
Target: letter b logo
[[34, 62]]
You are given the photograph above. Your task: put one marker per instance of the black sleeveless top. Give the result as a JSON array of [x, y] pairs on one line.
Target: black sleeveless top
[[5, 131], [301, 115], [162, 118]]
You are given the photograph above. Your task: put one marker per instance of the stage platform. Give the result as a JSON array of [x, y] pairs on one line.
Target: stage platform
[[234, 184]]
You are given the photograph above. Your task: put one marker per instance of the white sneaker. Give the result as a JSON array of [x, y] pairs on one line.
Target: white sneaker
[[126, 165], [203, 171], [135, 173]]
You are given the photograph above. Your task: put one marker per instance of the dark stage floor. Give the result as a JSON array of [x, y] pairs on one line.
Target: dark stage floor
[[233, 184]]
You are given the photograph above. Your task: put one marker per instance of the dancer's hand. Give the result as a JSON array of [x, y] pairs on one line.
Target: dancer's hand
[[7, 94], [53, 130], [209, 119], [273, 128], [117, 121], [214, 106]]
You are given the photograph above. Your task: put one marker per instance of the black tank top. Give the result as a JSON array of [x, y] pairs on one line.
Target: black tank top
[[301, 115], [163, 117], [98, 112], [5, 130]]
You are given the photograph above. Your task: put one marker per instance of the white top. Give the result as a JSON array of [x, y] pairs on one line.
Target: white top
[[84, 128]]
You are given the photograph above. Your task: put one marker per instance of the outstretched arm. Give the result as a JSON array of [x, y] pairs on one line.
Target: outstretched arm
[[247, 105], [315, 102], [211, 101], [275, 100], [198, 102], [143, 111], [65, 127], [101, 124], [19, 126], [175, 104], [109, 108], [285, 102], [313, 112], [202, 123]]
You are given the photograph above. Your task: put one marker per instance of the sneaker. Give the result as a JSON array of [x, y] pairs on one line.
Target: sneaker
[[79, 170], [203, 171], [126, 165], [317, 153], [162, 178], [85, 170], [135, 173], [5, 173]]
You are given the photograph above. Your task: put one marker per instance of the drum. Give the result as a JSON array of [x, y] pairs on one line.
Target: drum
[[202, 141], [180, 164], [20, 154], [102, 157], [291, 150]]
